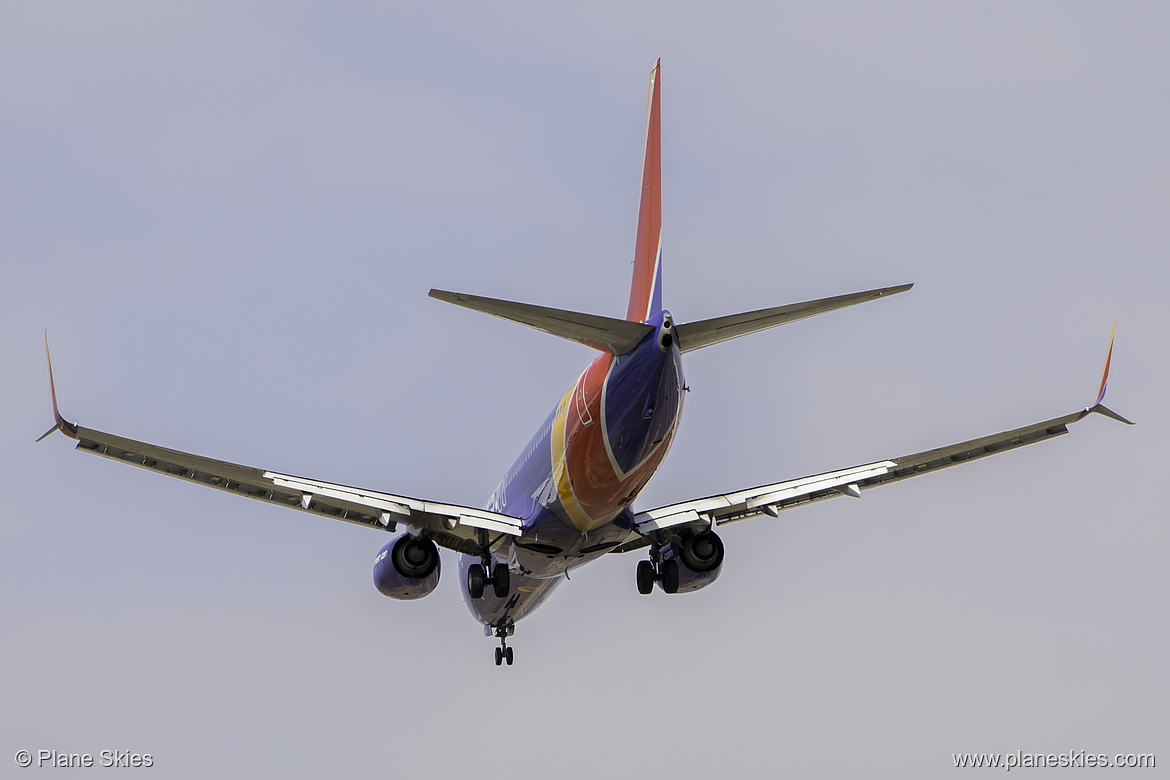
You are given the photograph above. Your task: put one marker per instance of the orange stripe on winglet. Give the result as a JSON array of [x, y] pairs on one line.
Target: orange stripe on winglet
[[1108, 360]]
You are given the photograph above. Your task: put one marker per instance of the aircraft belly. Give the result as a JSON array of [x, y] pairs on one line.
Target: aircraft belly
[[527, 593], [536, 570]]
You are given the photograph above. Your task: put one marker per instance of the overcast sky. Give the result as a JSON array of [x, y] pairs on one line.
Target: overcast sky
[[228, 221]]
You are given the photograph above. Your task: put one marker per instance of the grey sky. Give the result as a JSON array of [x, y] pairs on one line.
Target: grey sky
[[228, 220]]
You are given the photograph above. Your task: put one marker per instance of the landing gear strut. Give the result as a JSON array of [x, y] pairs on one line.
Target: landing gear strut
[[656, 570], [477, 578], [503, 652]]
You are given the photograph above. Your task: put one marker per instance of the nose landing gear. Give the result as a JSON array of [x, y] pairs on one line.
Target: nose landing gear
[[503, 652]]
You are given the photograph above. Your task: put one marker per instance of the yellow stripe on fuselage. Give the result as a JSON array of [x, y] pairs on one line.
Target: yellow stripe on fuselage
[[580, 518]]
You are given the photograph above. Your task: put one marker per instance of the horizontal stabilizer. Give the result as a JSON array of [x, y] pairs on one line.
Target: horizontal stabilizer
[[604, 333], [704, 333]]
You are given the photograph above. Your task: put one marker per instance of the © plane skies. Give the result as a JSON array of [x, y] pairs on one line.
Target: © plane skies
[[568, 498]]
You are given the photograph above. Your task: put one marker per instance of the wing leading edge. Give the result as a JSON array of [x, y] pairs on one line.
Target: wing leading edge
[[460, 528], [772, 499]]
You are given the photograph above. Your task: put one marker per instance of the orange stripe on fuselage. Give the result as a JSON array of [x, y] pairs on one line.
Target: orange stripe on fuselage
[[590, 490]]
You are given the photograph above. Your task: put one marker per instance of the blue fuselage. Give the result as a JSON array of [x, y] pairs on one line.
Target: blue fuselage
[[575, 481]]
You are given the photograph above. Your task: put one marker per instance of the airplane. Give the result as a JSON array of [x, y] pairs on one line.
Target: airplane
[[568, 498]]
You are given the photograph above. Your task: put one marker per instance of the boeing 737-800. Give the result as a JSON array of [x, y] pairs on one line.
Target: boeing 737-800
[[568, 498]]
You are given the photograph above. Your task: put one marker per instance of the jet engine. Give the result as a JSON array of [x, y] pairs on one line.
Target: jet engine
[[407, 568], [687, 563]]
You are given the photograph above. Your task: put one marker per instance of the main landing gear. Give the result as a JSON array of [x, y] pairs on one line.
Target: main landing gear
[[477, 578], [503, 652], [654, 570]]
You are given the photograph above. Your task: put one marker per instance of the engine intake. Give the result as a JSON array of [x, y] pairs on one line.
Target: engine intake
[[690, 562], [407, 568], [702, 552]]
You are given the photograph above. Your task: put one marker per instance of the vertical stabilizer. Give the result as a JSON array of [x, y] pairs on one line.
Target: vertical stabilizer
[[646, 288]]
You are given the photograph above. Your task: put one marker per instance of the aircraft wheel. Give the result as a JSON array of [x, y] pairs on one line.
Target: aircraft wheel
[[508, 655], [500, 656], [645, 577], [670, 576], [475, 580], [500, 580]]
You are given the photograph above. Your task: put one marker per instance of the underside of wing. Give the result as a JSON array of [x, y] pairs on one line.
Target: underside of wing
[[656, 525], [460, 528], [653, 525]]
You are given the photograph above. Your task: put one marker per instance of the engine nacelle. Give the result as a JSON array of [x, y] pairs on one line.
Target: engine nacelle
[[407, 568], [697, 559]]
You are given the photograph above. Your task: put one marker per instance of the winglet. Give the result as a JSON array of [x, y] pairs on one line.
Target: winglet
[[1108, 359], [63, 425], [1098, 407]]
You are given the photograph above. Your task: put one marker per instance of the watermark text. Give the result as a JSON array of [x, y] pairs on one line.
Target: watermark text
[[1071, 758]]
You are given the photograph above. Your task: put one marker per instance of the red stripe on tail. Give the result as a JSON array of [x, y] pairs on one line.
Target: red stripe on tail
[[642, 293]]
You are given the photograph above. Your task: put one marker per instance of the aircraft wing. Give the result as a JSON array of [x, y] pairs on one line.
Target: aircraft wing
[[459, 528], [653, 525]]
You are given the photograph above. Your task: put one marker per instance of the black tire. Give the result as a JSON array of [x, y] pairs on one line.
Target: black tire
[[500, 580], [508, 655], [499, 655], [645, 577], [475, 580], [670, 576]]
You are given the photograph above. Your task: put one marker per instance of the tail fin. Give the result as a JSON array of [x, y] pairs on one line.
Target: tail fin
[[646, 288]]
